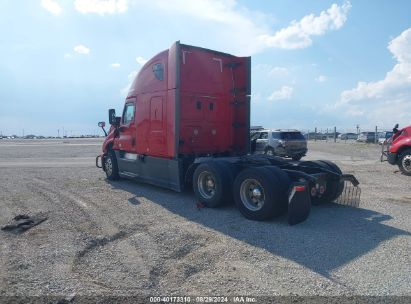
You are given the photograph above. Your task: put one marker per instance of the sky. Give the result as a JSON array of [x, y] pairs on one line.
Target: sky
[[319, 63]]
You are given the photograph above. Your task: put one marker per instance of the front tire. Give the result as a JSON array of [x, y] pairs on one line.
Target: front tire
[[404, 162], [110, 166]]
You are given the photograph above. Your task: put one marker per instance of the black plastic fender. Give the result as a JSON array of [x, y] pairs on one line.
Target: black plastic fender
[[299, 203]]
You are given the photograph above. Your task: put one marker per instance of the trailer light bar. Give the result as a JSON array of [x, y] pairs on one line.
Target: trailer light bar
[[322, 189], [313, 191], [299, 188]]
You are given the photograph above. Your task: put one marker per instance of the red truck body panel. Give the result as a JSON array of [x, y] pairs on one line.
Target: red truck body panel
[[400, 140], [188, 101]]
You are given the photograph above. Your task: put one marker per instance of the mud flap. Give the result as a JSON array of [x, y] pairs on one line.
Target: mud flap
[[351, 195], [299, 203]]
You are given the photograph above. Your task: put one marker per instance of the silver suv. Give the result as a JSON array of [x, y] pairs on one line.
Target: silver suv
[[285, 143]]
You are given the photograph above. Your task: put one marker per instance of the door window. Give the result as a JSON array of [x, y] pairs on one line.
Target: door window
[[264, 135], [128, 114], [276, 135]]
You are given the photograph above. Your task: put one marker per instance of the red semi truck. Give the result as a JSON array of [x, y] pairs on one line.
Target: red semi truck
[[186, 122], [397, 149]]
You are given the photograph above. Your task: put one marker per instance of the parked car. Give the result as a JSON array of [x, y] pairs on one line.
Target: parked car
[[345, 136], [315, 136], [284, 143], [383, 136], [366, 137]]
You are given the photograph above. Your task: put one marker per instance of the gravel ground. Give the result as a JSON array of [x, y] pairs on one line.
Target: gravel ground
[[126, 238]]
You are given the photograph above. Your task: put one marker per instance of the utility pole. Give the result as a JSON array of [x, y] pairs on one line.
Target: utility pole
[[358, 129], [335, 134], [376, 136]]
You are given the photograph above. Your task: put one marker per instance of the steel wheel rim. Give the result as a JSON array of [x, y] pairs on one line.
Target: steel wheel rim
[[406, 163], [270, 152], [206, 184], [109, 166], [252, 194]]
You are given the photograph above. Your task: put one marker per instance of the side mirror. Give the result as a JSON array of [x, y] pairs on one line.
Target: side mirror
[[112, 117], [102, 124]]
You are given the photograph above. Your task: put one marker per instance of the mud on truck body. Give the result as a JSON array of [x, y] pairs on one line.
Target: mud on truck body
[[186, 123]]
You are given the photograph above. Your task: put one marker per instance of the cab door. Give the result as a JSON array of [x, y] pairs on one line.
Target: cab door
[[126, 140], [157, 137]]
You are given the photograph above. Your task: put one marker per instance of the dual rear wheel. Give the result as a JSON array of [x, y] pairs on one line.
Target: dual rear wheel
[[260, 193]]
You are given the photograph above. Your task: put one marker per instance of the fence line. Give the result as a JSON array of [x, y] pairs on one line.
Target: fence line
[[333, 134]]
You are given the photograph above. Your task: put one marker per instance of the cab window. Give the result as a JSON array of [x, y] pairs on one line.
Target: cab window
[[158, 70], [128, 114], [264, 135]]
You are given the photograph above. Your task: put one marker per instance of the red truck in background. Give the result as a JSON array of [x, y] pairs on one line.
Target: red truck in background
[[397, 149], [186, 122]]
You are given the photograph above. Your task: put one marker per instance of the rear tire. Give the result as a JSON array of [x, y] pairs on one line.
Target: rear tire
[[110, 166], [404, 162], [337, 185], [257, 193], [212, 184], [334, 188], [284, 185], [297, 157]]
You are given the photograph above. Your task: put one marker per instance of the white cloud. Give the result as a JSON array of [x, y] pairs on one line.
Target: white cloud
[[249, 31], [141, 61], [285, 92], [387, 100], [51, 6], [222, 11], [67, 55], [115, 65], [131, 76], [269, 70], [278, 71], [299, 33], [81, 49], [321, 78], [101, 7]]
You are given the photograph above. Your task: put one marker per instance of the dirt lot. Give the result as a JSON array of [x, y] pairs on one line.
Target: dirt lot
[[126, 238]]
